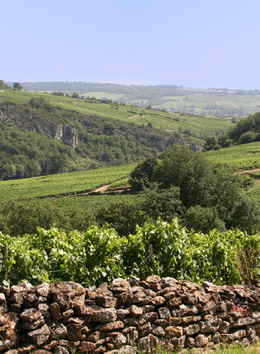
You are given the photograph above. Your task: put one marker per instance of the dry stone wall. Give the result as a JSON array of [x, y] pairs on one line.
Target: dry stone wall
[[126, 316]]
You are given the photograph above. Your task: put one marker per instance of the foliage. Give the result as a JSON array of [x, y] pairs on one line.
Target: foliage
[[163, 203], [246, 131], [17, 86], [214, 193], [202, 219], [100, 254], [123, 216], [142, 175]]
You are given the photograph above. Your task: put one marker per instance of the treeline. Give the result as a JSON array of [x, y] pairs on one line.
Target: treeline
[[246, 131], [180, 184], [28, 147]]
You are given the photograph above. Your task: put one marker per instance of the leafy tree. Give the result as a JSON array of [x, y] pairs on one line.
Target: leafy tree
[[75, 95], [143, 174], [191, 172], [24, 217], [122, 216], [162, 203], [17, 86], [203, 219]]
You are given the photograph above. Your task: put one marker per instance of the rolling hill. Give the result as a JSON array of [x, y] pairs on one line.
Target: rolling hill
[[215, 102], [44, 134]]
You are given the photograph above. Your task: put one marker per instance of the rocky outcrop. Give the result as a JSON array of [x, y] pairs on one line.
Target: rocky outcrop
[[125, 315], [65, 133], [39, 123]]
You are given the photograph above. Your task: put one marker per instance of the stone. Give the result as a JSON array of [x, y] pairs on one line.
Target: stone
[[40, 336], [179, 343], [224, 327], [74, 332], [119, 340], [100, 350], [157, 300], [173, 321], [127, 349], [68, 314], [43, 289], [27, 348], [158, 331], [191, 330], [135, 310], [50, 345], [44, 309], [172, 331], [210, 325], [86, 347], [60, 331], [148, 344], [2, 298], [164, 312], [30, 315], [70, 288], [106, 301], [187, 310], [94, 337], [30, 326], [201, 340], [104, 315], [190, 342], [60, 350], [122, 313], [175, 302], [163, 322], [111, 326], [55, 311]]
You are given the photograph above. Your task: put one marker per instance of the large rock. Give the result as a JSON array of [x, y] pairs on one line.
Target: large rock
[[40, 335], [70, 288]]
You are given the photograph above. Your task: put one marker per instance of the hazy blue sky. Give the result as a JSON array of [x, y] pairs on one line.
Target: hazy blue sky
[[196, 43]]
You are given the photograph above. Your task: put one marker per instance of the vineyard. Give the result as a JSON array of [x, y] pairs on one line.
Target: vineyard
[[62, 184], [238, 157], [100, 254]]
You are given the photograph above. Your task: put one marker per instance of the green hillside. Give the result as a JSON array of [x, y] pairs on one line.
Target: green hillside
[[45, 134]]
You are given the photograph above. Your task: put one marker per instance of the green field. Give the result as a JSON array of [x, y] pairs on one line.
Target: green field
[[62, 184]]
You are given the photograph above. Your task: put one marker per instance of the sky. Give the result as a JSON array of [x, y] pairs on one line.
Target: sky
[[194, 43]]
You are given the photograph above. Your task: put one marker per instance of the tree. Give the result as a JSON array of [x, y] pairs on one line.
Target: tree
[[75, 95], [191, 172], [203, 219], [142, 175], [162, 203], [17, 86]]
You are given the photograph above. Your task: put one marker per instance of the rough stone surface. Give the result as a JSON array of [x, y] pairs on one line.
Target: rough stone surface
[[122, 316]]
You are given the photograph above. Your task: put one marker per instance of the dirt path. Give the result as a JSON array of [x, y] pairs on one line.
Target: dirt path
[[100, 189], [248, 171]]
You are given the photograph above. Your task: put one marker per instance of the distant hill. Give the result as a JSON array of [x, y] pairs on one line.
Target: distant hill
[[38, 137], [173, 98]]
